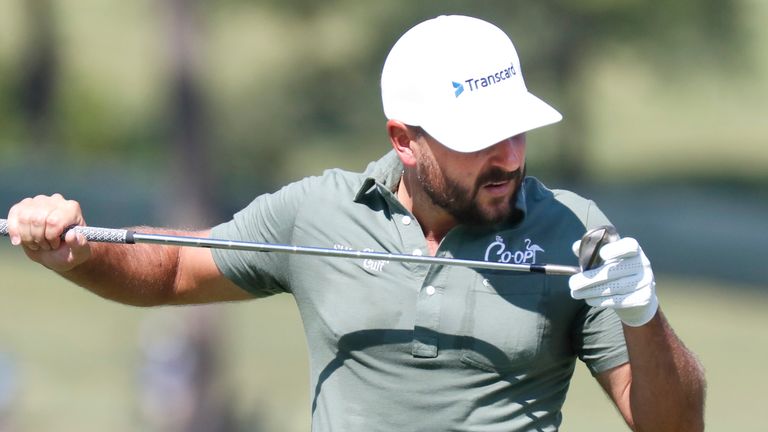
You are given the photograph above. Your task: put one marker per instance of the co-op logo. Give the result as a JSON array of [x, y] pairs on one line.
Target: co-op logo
[[497, 251], [486, 81]]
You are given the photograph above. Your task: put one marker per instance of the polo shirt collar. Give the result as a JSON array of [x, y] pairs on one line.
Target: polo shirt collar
[[384, 173]]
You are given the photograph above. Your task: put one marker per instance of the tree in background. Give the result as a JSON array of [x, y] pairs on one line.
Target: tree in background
[[558, 39], [38, 77], [188, 124], [312, 101], [670, 34], [190, 180]]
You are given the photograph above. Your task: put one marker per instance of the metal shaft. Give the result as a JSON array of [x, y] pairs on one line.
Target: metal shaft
[[121, 236]]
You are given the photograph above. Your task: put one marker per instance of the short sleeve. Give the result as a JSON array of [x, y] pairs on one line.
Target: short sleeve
[[599, 339], [268, 219], [599, 336], [595, 217]]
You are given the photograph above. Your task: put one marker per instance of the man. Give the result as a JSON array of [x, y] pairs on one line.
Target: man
[[399, 346]]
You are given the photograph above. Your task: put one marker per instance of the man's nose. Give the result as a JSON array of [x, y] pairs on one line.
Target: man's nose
[[509, 154]]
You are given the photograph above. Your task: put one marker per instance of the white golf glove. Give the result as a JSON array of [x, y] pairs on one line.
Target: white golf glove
[[624, 282]]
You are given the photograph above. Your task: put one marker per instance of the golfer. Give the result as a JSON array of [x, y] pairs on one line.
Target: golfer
[[416, 347]]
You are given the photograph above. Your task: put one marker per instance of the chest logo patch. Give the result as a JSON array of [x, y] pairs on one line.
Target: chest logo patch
[[497, 251], [374, 265], [368, 264]]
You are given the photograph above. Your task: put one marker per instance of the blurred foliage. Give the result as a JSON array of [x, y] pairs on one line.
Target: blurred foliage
[[290, 87]]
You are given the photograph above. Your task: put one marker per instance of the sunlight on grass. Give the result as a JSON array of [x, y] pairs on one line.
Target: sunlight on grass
[[78, 357]]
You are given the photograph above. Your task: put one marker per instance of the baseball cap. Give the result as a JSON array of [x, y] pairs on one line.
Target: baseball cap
[[459, 79]]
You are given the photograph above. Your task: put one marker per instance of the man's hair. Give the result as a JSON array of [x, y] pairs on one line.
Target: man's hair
[[417, 131]]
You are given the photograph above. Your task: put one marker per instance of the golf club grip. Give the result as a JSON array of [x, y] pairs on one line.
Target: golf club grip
[[99, 235]]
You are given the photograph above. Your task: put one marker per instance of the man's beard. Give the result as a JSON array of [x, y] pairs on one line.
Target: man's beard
[[459, 201]]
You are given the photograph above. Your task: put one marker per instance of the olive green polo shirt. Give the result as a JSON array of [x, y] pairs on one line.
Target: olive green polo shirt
[[415, 347]]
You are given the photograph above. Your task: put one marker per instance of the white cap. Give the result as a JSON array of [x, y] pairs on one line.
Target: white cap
[[459, 79]]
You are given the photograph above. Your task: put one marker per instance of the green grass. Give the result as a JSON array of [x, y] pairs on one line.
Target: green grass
[[77, 355], [724, 324]]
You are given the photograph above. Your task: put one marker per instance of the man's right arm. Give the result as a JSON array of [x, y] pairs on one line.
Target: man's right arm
[[141, 275]]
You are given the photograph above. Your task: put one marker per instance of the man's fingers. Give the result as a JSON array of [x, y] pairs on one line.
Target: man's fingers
[[37, 224], [635, 298], [606, 273], [624, 285], [54, 227], [24, 229], [78, 246], [13, 226], [575, 247], [622, 248], [34, 228], [73, 251]]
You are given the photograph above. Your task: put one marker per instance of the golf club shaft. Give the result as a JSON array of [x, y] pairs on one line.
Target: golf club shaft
[[121, 236]]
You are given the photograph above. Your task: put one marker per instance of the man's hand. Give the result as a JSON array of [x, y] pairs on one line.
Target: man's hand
[[37, 224], [624, 282]]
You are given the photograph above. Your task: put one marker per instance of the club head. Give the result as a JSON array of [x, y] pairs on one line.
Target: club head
[[593, 240]]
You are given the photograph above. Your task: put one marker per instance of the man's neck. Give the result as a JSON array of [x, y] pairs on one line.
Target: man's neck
[[434, 221]]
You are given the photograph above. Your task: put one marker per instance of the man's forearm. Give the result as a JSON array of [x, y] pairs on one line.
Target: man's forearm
[[139, 275], [668, 388]]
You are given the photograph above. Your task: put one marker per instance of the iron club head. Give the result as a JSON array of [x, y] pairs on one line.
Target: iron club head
[[593, 240]]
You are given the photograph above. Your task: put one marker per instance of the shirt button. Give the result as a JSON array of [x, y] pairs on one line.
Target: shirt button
[[416, 252], [430, 290], [406, 220]]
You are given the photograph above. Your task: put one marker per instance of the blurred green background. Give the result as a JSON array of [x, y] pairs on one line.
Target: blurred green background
[[175, 112]]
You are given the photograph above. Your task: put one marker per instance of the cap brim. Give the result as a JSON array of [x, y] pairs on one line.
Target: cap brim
[[476, 128]]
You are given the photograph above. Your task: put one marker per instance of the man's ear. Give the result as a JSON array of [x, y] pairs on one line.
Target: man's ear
[[402, 141]]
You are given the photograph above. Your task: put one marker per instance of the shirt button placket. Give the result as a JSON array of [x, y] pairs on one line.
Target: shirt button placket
[[427, 319], [413, 239]]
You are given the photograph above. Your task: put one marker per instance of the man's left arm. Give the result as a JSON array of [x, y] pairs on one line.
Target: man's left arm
[[662, 388]]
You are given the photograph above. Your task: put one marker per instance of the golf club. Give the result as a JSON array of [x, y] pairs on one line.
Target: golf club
[[122, 236]]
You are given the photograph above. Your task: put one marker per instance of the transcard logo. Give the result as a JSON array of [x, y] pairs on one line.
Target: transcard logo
[[485, 81], [458, 88]]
